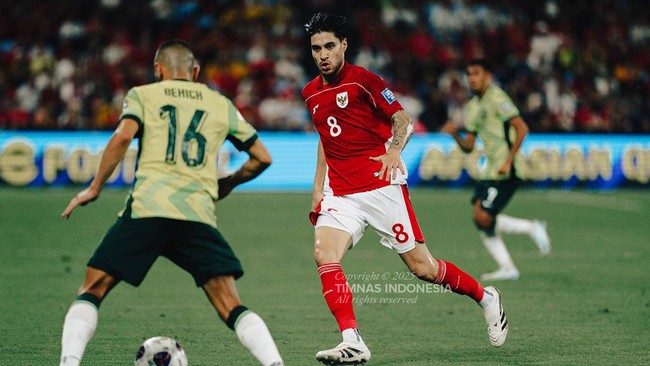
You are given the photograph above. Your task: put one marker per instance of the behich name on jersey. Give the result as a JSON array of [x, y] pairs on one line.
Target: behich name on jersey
[[183, 93]]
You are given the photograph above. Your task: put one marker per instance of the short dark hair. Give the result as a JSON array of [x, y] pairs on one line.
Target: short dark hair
[[174, 43], [485, 64], [176, 54], [326, 22]]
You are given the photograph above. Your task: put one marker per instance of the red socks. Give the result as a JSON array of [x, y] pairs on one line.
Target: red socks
[[337, 294], [458, 281]]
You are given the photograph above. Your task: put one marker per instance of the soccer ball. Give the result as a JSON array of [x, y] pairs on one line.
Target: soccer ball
[[160, 351]]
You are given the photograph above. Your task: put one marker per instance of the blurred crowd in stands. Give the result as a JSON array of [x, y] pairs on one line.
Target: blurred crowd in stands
[[570, 65]]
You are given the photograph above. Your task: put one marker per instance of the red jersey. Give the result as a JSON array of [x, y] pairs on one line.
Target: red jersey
[[352, 116]]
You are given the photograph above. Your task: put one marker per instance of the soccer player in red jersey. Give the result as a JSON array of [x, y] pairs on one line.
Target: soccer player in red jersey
[[360, 180]]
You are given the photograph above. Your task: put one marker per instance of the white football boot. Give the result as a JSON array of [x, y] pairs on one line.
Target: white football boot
[[346, 353], [495, 317], [540, 238]]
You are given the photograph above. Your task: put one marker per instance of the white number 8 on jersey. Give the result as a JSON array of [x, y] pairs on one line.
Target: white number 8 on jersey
[[335, 129]]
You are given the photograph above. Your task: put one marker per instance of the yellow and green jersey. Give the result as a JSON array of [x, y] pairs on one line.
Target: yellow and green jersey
[[489, 118], [183, 125]]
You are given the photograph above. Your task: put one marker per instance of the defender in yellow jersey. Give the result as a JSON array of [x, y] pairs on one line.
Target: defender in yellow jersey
[[492, 116], [181, 125]]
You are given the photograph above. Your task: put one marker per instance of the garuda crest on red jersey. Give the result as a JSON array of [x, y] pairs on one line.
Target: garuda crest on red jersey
[[342, 99]]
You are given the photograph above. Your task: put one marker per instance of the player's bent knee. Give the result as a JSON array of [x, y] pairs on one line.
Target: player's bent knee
[[221, 287], [483, 221], [423, 271], [97, 283], [323, 255]]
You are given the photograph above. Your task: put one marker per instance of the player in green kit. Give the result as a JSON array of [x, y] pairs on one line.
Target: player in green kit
[[492, 116], [181, 125]]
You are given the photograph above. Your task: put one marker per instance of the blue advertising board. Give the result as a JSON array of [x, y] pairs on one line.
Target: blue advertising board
[[31, 159]]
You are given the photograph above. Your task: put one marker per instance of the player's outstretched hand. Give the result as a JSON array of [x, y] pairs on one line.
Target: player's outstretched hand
[[505, 169], [390, 163], [316, 198], [81, 199]]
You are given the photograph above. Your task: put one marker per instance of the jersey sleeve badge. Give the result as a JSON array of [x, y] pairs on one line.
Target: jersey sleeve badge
[[388, 95]]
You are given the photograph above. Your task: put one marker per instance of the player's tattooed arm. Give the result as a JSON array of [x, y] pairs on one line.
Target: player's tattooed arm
[[391, 161], [402, 129]]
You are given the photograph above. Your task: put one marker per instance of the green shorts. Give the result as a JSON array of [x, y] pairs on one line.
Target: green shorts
[[494, 194], [131, 246]]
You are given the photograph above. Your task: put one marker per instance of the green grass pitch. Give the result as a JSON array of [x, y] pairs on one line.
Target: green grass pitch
[[588, 303]]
